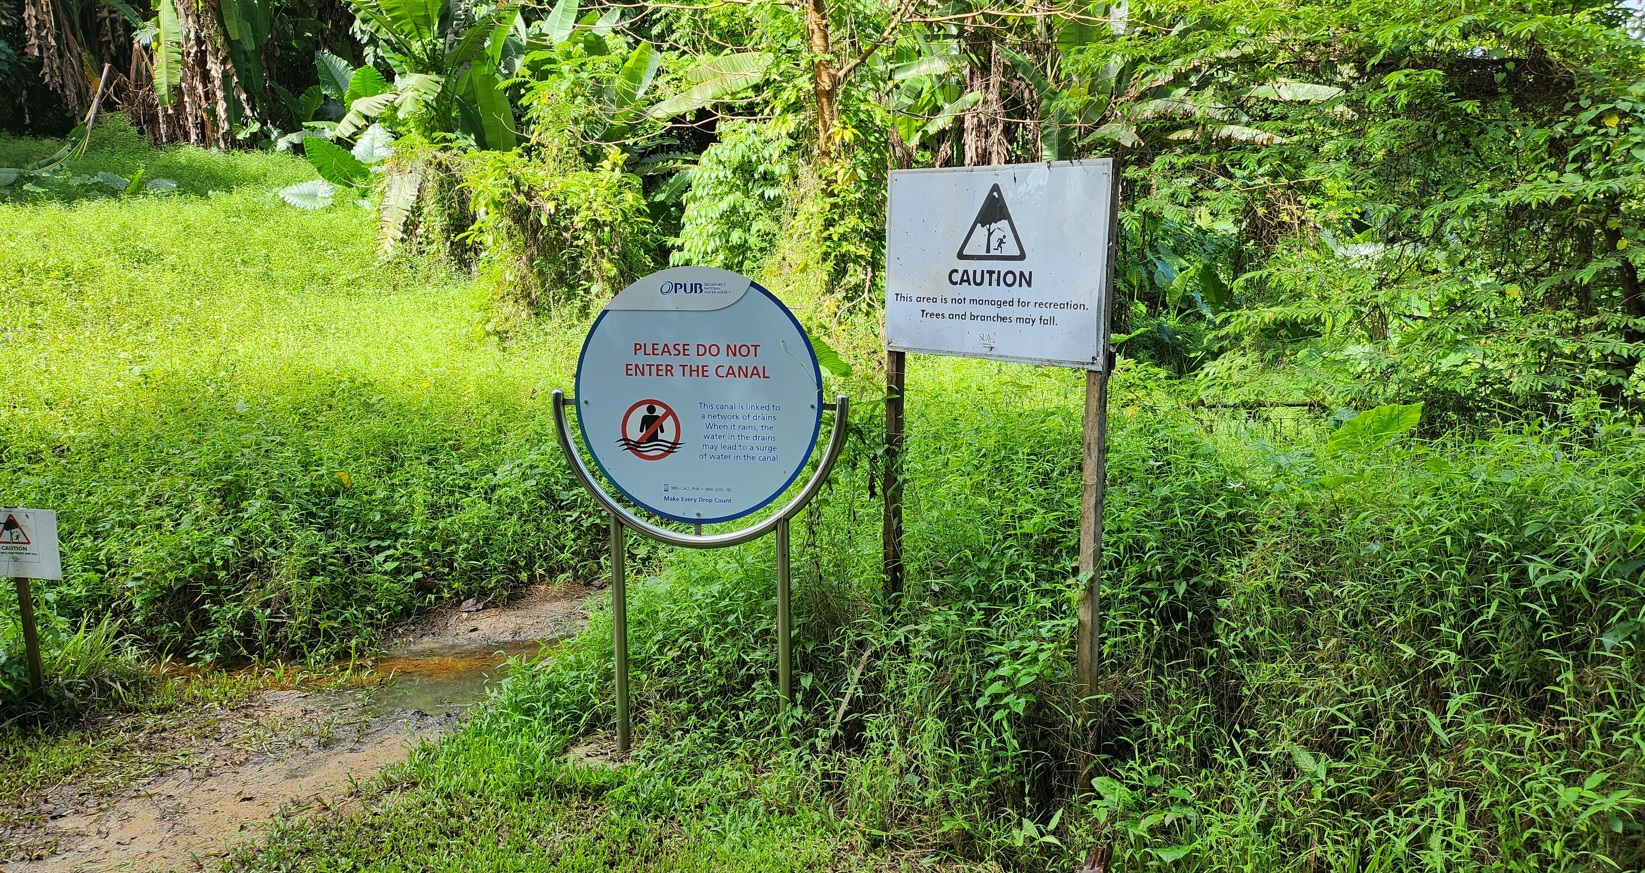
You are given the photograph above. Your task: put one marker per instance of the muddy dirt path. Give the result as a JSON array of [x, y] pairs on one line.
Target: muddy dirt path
[[291, 753]]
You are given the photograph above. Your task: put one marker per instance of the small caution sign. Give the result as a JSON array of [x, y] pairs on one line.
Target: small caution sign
[[11, 531], [28, 544], [993, 235]]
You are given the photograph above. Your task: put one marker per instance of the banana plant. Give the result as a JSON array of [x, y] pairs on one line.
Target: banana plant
[[447, 76], [927, 94]]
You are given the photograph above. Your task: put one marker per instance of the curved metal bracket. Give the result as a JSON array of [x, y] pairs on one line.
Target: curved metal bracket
[[836, 442]]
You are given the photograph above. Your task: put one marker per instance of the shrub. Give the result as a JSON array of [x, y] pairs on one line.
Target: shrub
[[554, 235]]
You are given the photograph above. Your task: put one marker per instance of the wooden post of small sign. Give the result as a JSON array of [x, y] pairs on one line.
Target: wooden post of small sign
[[28, 550], [1094, 476], [891, 474], [1092, 481], [31, 635]]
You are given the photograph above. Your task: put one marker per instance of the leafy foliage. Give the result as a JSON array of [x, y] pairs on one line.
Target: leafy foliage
[[736, 203], [292, 454], [1375, 428]]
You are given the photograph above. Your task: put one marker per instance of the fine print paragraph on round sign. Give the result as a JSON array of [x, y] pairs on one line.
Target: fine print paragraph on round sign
[[699, 395]]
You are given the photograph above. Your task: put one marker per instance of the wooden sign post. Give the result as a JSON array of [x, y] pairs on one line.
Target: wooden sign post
[[1012, 263], [28, 550]]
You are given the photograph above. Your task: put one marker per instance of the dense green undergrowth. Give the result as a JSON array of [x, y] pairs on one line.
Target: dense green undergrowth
[[261, 441], [1413, 656]]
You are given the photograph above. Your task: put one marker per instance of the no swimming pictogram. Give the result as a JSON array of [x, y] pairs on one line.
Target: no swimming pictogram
[[651, 430]]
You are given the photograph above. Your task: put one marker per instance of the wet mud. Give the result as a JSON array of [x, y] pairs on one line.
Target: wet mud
[[291, 753]]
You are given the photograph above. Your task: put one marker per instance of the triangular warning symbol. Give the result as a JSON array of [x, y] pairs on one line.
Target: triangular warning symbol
[[993, 235], [11, 533]]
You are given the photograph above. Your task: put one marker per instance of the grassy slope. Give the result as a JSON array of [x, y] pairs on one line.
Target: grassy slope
[[1418, 658], [260, 440]]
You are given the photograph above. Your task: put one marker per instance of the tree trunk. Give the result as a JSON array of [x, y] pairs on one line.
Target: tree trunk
[[984, 139], [824, 80], [1633, 297]]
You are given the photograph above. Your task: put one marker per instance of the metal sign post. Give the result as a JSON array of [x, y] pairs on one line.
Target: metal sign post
[[28, 550], [699, 398], [1012, 263]]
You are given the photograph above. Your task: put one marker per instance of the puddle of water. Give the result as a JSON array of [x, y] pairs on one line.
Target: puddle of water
[[442, 676]]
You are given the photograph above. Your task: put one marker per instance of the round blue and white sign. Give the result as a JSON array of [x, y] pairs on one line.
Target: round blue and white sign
[[699, 395]]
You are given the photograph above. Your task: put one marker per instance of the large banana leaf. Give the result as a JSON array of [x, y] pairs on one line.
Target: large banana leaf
[[247, 24], [363, 110], [948, 114], [716, 78], [478, 39], [929, 65], [492, 112], [633, 79], [561, 21], [413, 20], [168, 54]]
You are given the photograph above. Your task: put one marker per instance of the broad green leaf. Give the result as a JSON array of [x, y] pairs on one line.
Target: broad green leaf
[[9, 175], [413, 20], [1174, 853], [501, 25], [930, 65], [607, 21], [259, 18], [1305, 761], [1212, 288], [374, 145], [636, 76], [229, 10], [478, 39], [947, 115], [496, 116], [114, 181], [366, 82], [417, 89], [828, 358], [716, 78], [168, 53], [1072, 34], [313, 194], [673, 189], [1120, 133], [334, 164], [1055, 128], [309, 103], [1374, 428], [335, 75], [561, 20], [1296, 92], [364, 110], [135, 185], [159, 185]]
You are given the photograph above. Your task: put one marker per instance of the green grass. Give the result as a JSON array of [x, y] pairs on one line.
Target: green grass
[[260, 440], [1423, 657]]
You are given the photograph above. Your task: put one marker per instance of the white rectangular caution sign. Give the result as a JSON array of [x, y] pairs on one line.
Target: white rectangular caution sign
[[28, 543], [1010, 263]]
